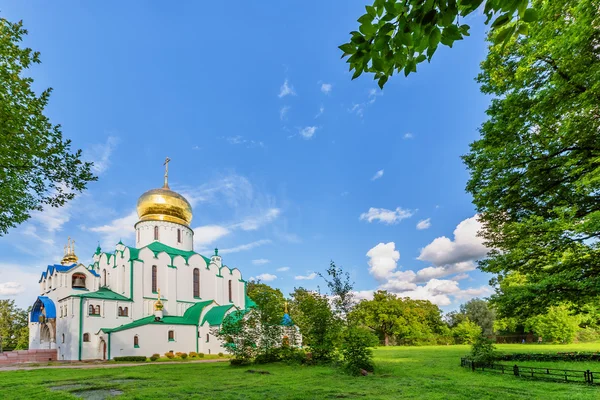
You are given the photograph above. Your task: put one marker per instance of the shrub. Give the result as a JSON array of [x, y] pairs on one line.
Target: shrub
[[130, 358], [587, 335], [170, 355], [200, 355], [154, 357], [240, 361], [483, 350], [183, 356], [178, 354], [193, 354], [293, 355], [466, 332], [220, 355], [356, 349]]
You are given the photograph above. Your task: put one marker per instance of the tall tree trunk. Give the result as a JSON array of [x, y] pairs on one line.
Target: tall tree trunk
[[386, 339]]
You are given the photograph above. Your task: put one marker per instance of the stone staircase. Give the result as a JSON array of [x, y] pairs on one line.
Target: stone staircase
[[23, 356]]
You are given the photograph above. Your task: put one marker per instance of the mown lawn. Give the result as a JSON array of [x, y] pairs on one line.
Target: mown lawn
[[402, 372]]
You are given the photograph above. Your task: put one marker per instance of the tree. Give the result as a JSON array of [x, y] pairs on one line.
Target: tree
[[37, 167], [557, 325], [466, 332], [317, 322], [14, 327], [268, 317], [340, 286], [478, 311], [535, 171], [397, 35]]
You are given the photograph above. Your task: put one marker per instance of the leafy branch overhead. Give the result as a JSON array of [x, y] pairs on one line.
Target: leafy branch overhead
[[395, 36]]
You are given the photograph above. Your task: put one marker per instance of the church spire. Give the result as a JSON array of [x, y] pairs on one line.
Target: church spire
[[69, 256], [166, 164]]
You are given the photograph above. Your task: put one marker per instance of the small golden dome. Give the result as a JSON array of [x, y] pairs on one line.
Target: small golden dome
[[164, 205]]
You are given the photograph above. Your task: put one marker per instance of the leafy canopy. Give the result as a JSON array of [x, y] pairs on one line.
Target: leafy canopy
[[37, 167], [535, 171], [395, 36]]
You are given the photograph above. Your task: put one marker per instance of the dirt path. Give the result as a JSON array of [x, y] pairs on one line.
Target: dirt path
[[101, 365]]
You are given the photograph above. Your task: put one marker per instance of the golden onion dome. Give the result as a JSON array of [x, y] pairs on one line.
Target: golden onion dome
[[164, 205]]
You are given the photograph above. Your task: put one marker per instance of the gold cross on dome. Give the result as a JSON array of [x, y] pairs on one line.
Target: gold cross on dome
[[166, 164]]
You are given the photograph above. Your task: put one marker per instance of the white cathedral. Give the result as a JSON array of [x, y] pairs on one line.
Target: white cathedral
[[156, 297]]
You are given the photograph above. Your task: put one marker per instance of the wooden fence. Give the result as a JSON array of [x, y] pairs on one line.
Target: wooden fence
[[563, 375]]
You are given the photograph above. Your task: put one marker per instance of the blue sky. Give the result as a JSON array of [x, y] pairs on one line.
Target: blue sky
[[288, 163]]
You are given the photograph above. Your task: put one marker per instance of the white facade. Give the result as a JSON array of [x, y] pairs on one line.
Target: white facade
[[97, 312]]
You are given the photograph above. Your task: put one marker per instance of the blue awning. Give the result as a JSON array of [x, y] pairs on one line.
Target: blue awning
[[40, 304]]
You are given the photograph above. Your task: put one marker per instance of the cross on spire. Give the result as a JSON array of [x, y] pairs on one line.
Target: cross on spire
[[166, 164]]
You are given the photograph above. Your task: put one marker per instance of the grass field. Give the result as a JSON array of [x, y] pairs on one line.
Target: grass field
[[402, 373]]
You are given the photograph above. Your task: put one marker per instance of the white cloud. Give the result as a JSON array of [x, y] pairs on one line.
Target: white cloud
[[249, 143], [408, 136], [377, 175], [261, 261], [373, 93], [100, 154], [466, 245], [449, 269], [283, 269], [460, 277], [208, 234], [326, 88], [321, 111], [359, 109], [283, 112], [308, 277], [383, 260], [286, 89], [244, 247], [264, 277], [52, 218], [255, 222], [11, 289], [386, 216], [363, 295], [468, 294], [308, 132], [424, 224], [117, 229]]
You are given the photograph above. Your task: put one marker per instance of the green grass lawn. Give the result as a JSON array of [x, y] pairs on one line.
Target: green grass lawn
[[402, 372]]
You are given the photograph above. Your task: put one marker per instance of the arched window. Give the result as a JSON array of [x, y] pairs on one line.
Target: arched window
[[86, 337], [156, 233], [154, 283], [178, 235], [171, 336], [63, 337], [230, 293], [98, 310], [207, 337], [78, 281], [136, 341], [196, 282], [91, 310], [120, 313], [104, 277], [126, 311]]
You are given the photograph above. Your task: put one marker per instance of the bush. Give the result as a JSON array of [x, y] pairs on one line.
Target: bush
[[293, 355], [183, 356], [587, 335], [240, 361], [170, 355], [466, 332], [200, 355], [571, 356], [131, 358], [356, 349], [154, 357], [178, 354], [273, 355], [193, 354], [483, 350], [220, 355]]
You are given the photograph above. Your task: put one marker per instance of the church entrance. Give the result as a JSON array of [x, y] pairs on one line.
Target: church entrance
[[103, 349], [45, 339]]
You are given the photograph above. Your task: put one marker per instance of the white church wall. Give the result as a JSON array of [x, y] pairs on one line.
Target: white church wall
[[214, 345], [167, 234], [153, 338]]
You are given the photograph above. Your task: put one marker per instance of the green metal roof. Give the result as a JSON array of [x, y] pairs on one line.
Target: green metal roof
[[104, 294], [158, 247], [215, 315], [190, 317]]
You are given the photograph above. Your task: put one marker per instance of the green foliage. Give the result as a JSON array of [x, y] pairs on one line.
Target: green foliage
[[355, 348], [131, 358], [318, 323], [410, 321], [201, 355], [220, 354], [483, 350], [14, 326], [395, 36], [557, 325], [37, 168], [476, 310], [588, 334], [535, 172], [154, 357], [170, 355], [340, 286], [466, 332], [570, 356], [183, 356]]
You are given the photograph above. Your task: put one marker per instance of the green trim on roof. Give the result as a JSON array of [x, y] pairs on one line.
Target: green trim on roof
[[193, 313], [104, 294], [215, 315], [158, 248], [133, 253]]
